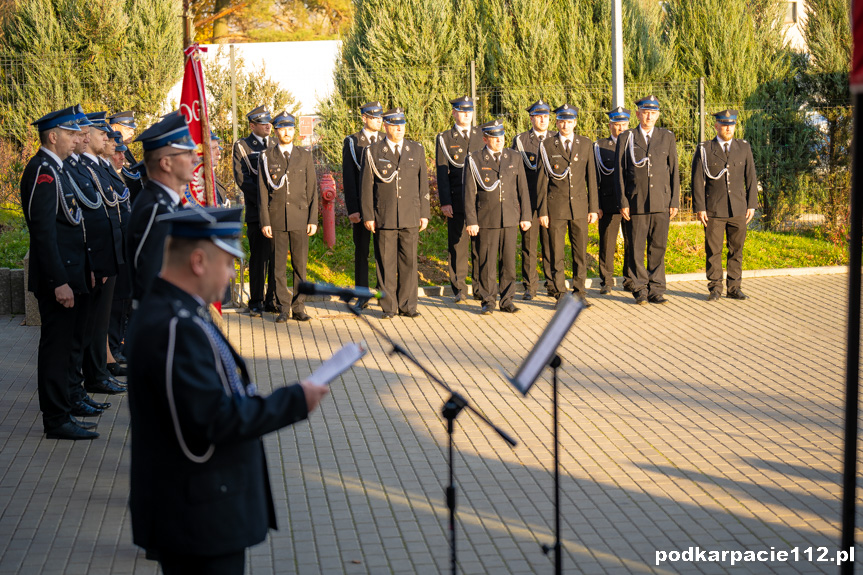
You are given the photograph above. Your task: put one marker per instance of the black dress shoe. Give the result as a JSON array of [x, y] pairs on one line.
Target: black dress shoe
[[736, 294], [604, 290], [509, 308], [82, 409], [640, 298], [409, 313], [660, 299], [714, 295], [270, 307], [119, 357], [93, 403], [476, 296], [486, 309], [84, 424], [106, 386], [388, 315], [301, 316], [254, 311], [527, 296], [459, 298], [116, 369], [282, 317], [70, 431], [115, 381]]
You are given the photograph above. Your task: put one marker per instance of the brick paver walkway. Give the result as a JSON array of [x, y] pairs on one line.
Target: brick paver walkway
[[716, 426]]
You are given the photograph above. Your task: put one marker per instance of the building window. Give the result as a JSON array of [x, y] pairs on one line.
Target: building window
[[791, 14]]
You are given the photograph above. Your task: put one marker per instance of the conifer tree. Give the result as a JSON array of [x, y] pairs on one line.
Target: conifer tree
[[407, 53], [827, 31], [105, 54]]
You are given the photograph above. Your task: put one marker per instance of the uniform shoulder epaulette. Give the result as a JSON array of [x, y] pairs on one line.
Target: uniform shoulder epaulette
[[129, 174]]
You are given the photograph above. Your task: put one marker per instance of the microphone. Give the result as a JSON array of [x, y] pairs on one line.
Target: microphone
[[362, 293]]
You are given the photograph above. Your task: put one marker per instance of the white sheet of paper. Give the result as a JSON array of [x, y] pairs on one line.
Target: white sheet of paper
[[338, 363], [547, 344]]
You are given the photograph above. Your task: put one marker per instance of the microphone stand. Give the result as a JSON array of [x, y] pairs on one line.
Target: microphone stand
[[450, 411]]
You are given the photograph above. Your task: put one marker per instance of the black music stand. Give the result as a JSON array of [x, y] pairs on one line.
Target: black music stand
[[544, 354], [453, 406]]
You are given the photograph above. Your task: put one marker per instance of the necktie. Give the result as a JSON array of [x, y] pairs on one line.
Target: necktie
[[373, 139], [287, 155], [496, 157], [231, 368], [648, 140], [398, 152], [465, 135], [725, 148], [566, 145]]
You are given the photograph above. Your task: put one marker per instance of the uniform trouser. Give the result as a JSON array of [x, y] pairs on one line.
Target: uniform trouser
[[649, 230], [545, 249], [55, 356], [362, 239], [496, 264], [557, 245], [261, 266], [90, 349], [295, 243], [458, 242], [735, 230], [396, 258], [230, 564], [609, 226], [120, 310], [529, 275]]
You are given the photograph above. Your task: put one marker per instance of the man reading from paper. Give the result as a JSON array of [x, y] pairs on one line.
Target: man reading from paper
[[200, 493]]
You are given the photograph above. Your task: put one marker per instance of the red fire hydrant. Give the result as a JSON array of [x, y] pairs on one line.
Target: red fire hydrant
[[328, 208]]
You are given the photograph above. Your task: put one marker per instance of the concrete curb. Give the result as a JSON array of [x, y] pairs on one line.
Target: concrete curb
[[438, 291]]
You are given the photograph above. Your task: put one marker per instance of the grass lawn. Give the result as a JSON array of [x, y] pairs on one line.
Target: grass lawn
[[763, 250]]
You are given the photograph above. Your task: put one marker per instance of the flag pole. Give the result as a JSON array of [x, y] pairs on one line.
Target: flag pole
[[855, 252]]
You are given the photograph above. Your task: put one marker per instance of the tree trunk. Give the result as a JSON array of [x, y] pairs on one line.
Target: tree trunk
[[220, 26]]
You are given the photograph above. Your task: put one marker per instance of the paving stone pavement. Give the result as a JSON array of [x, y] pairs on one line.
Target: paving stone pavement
[[717, 426]]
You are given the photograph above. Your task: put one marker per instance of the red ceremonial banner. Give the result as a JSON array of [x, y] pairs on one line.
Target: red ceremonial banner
[[856, 76], [193, 105]]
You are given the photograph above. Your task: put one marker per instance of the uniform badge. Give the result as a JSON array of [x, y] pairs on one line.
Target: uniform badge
[[44, 179], [389, 165], [486, 179], [555, 166], [455, 157], [459, 150], [406, 148]]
